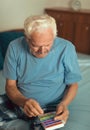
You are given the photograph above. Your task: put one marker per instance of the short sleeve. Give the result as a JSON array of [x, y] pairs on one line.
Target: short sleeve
[[72, 70], [9, 68]]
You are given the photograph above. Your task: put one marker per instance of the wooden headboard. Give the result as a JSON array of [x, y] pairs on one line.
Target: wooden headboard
[[13, 30], [5, 38], [73, 26]]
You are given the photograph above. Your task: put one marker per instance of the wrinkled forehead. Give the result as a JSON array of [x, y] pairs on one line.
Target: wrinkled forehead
[[45, 35]]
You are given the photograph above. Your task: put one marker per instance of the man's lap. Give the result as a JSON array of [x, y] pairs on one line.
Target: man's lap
[[17, 124], [13, 118]]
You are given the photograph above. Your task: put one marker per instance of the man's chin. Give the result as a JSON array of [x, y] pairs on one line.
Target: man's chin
[[40, 55]]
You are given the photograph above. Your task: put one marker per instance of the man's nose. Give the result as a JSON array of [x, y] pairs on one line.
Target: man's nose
[[42, 48]]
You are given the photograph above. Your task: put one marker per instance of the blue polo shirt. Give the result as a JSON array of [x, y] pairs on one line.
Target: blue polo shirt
[[43, 79]]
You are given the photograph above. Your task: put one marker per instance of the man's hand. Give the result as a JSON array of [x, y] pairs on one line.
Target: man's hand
[[32, 108], [62, 112]]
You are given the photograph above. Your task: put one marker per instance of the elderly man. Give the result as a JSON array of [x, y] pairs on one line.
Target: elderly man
[[41, 70]]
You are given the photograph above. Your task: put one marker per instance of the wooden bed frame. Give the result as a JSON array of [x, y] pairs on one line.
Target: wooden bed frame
[[13, 30], [73, 26]]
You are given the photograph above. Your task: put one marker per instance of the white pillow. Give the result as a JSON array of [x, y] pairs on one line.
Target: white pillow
[[83, 59], [83, 56]]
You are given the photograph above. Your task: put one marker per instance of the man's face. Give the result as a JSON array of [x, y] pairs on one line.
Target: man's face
[[41, 42]]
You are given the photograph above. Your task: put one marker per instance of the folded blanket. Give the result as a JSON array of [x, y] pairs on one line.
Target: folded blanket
[[8, 110]]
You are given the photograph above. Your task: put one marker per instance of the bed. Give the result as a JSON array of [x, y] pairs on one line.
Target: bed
[[80, 108], [5, 38]]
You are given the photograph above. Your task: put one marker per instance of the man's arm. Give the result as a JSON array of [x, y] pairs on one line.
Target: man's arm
[[62, 111], [30, 106], [70, 94], [14, 94]]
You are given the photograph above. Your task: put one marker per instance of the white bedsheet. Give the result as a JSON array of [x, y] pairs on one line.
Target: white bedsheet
[[80, 108], [84, 60], [2, 83]]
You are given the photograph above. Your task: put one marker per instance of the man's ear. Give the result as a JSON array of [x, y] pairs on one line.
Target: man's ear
[[27, 39]]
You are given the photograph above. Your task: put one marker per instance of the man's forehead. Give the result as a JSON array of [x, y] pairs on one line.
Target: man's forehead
[[43, 40], [42, 34]]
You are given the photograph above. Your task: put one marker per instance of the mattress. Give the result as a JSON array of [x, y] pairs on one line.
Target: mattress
[[80, 108], [79, 118]]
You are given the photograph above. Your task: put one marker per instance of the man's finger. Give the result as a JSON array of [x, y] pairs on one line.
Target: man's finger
[[38, 108]]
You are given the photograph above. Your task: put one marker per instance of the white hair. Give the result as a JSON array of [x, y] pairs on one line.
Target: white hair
[[39, 22]]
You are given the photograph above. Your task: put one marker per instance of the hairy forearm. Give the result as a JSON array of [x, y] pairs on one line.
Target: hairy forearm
[[15, 95], [70, 94]]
